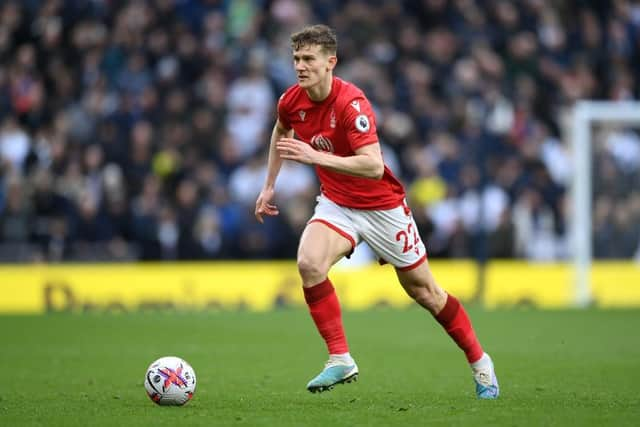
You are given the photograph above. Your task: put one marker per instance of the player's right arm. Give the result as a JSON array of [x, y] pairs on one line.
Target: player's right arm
[[264, 205]]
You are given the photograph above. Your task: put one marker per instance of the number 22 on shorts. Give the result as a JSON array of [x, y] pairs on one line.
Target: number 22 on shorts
[[406, 237]]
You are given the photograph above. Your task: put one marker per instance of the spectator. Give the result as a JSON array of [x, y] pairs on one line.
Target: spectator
[[137, 125]]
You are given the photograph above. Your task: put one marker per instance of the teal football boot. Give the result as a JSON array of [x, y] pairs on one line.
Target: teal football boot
[[486, 381], [335, 371]]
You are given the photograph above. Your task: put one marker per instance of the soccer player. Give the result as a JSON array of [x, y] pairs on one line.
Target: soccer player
[[335, 130]]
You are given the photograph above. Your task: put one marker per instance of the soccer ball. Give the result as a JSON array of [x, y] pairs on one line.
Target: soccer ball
[[170, 381]]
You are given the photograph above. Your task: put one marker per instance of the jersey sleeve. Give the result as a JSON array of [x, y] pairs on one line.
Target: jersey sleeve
[[283, 116], [359, 123]]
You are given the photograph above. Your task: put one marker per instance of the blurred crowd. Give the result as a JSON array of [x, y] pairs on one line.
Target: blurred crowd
[[138, 129]]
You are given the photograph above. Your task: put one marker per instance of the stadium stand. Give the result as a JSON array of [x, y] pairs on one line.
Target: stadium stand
[[137, 130]]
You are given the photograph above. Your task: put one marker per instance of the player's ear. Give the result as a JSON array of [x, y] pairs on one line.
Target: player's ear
[[332, 60]]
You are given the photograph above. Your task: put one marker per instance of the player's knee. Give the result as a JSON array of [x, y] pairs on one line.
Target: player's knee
[[311, 270]]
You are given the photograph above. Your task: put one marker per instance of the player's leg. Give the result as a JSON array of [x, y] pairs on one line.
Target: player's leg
[[322, 245], [420, 284], [393, 235]]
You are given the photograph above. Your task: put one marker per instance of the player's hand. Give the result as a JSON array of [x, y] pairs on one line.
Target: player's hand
[[264, 205], [294, 149]]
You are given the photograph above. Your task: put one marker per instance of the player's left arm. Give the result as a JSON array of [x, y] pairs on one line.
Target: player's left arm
[[366, 162], [358, 121]]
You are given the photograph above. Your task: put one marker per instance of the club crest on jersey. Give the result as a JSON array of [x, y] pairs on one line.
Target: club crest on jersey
[[362, 123], [322, 143], [301, 113], [332, 123]]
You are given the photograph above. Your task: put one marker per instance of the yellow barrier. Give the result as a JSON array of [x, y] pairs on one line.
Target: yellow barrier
[[616, 284], [264, 286], [118, 287], [197, 286], [528, 284], [551, 285]]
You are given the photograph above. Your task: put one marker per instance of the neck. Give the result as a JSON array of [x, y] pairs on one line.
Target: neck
[[321, 91]]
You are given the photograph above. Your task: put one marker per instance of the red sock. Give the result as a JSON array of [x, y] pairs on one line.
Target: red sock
[[455, 321], [325, 309]]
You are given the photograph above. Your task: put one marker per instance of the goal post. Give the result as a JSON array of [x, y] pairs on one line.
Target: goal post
[[585, 113]]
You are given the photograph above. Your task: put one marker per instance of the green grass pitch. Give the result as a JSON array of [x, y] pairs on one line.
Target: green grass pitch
[[556, 368]]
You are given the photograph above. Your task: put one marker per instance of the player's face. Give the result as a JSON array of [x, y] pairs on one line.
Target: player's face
[[312, 65]]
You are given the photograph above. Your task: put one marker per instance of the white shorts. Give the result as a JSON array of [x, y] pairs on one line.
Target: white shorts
[[392, 234]]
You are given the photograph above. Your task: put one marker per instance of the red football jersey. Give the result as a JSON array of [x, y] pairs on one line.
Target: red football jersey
[[340, 124]]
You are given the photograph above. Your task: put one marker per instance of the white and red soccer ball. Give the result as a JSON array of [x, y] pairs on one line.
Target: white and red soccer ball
[[170, 381]]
